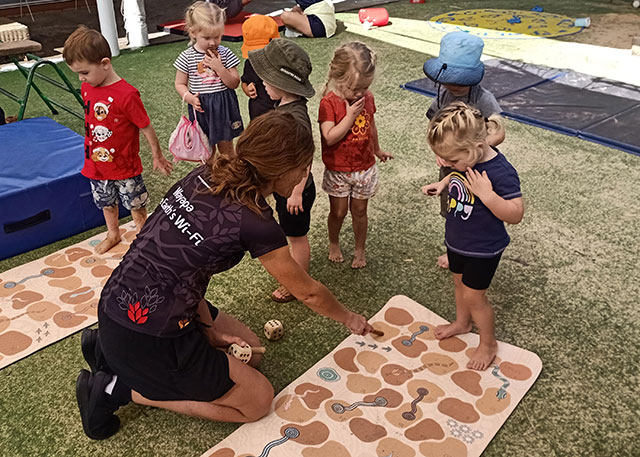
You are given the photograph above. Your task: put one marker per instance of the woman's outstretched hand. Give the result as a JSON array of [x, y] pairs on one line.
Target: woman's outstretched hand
[[357, 324]]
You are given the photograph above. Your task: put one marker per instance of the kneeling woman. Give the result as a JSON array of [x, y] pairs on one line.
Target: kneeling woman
[[158, 338]]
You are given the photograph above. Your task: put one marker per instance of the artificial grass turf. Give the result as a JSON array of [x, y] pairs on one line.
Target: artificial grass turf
[[565, 289]]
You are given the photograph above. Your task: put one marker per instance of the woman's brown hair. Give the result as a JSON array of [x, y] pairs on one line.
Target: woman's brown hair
[[271, 146]]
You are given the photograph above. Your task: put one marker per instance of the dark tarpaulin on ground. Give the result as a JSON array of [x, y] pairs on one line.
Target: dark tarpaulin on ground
[[595, 109]]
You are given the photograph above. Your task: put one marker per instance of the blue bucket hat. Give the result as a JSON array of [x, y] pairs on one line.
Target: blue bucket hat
[[458, 62]]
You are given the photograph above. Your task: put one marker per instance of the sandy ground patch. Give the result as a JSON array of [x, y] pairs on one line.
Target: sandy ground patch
[[611, 30]]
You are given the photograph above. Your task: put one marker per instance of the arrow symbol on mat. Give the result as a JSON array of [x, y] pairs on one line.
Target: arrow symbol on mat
[[388, 349], [374, 346], [360, 343]]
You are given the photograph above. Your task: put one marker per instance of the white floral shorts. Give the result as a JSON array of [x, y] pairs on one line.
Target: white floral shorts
[[357, 184]]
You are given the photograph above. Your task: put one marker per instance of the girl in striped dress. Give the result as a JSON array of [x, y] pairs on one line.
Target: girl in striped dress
[[207, 76]]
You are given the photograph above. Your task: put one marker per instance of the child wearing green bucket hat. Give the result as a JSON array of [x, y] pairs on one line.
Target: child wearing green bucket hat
[[457, 72], [284, 68]]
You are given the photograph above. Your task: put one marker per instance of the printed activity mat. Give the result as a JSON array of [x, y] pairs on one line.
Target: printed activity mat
[[404, 394], [46, 300], [507, 23]]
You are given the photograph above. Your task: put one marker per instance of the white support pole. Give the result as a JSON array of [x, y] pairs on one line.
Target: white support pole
[[107, 17], [135, 22]]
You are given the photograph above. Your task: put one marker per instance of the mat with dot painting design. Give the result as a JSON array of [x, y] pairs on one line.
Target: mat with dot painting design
[[48, 299], [404, 394]]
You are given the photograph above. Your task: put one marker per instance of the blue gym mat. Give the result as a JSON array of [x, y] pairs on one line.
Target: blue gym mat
[[43, 196], [552, 102]]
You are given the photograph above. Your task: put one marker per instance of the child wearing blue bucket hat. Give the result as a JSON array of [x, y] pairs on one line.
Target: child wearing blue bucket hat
[[457, 72]]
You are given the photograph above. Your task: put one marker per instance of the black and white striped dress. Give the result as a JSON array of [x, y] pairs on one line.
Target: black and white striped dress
[[221, 120]]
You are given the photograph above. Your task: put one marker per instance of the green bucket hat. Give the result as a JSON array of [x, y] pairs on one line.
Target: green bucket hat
[[284, 65]]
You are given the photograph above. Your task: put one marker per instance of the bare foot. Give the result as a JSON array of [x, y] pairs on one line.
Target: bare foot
[[107, 244], [483, 356], [282, 295], [443, 261], [359, 260], [335, 254], [455, 328]]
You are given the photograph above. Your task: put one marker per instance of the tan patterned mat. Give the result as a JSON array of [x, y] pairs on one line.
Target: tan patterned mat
[[404, 394], [48, 299]]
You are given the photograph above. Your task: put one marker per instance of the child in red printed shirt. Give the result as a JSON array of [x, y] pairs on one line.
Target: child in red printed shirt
[[350, 145], [114, 117]]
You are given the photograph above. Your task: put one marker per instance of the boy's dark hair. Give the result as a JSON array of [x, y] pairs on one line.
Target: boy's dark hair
[[85, 44]]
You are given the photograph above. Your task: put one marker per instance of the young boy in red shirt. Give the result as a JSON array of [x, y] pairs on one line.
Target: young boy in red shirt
[[114, 117]]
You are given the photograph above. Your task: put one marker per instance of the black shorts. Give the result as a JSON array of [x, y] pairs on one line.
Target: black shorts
[[477, 272], [296, 224], [317, 27], [162, 369]]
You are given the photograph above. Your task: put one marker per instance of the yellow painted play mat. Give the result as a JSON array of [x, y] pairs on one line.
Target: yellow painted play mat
[[506, 23]]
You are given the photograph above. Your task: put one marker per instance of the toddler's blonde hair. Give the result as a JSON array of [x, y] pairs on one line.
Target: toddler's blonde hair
[[351, 62], [459, 127], [204, 17]]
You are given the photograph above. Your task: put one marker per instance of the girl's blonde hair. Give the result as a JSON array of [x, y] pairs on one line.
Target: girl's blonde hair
[[459, 127], [351, 62], [273, 145], [204, 16]]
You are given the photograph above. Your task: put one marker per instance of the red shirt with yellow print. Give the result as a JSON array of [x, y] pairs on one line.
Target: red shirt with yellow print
[[113, 117], [355, 151]]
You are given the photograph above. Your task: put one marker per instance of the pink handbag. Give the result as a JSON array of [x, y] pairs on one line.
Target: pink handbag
[[189, 142]]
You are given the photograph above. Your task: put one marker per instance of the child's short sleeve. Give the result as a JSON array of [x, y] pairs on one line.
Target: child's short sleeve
[[487, 103], [229, 59], [182, 62], [373, 102], [505, 181], [248, 74], [327, 112], [135, 111]]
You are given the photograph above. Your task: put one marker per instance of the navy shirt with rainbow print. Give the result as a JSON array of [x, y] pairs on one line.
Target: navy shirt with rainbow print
[[471, 228]]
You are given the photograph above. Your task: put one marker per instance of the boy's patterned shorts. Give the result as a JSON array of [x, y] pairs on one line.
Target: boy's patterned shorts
[[131, 192], [357, 184]]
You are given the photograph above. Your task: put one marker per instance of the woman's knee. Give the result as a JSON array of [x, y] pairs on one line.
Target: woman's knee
[[261, 400]]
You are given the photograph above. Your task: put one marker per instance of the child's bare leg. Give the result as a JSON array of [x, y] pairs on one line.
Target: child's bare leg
[[301, 253], [360, 224], [337, 212], [483, 316], [297, 20], [226, 148], [139, 216], [462, 324], [113, 231]]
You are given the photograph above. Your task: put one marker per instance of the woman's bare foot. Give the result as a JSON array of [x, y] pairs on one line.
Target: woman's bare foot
[[483, 356], [107, 244], [359, 260], [455, 328], [335, 254], [443, 261]]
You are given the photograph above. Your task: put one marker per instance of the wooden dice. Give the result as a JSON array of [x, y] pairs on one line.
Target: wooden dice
[[273, 329], [243, 353]]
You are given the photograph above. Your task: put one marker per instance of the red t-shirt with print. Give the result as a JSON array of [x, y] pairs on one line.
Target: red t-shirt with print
[[113, 117], [355, 151]]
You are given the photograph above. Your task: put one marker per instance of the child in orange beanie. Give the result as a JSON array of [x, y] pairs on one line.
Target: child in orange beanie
[[257, 32]]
